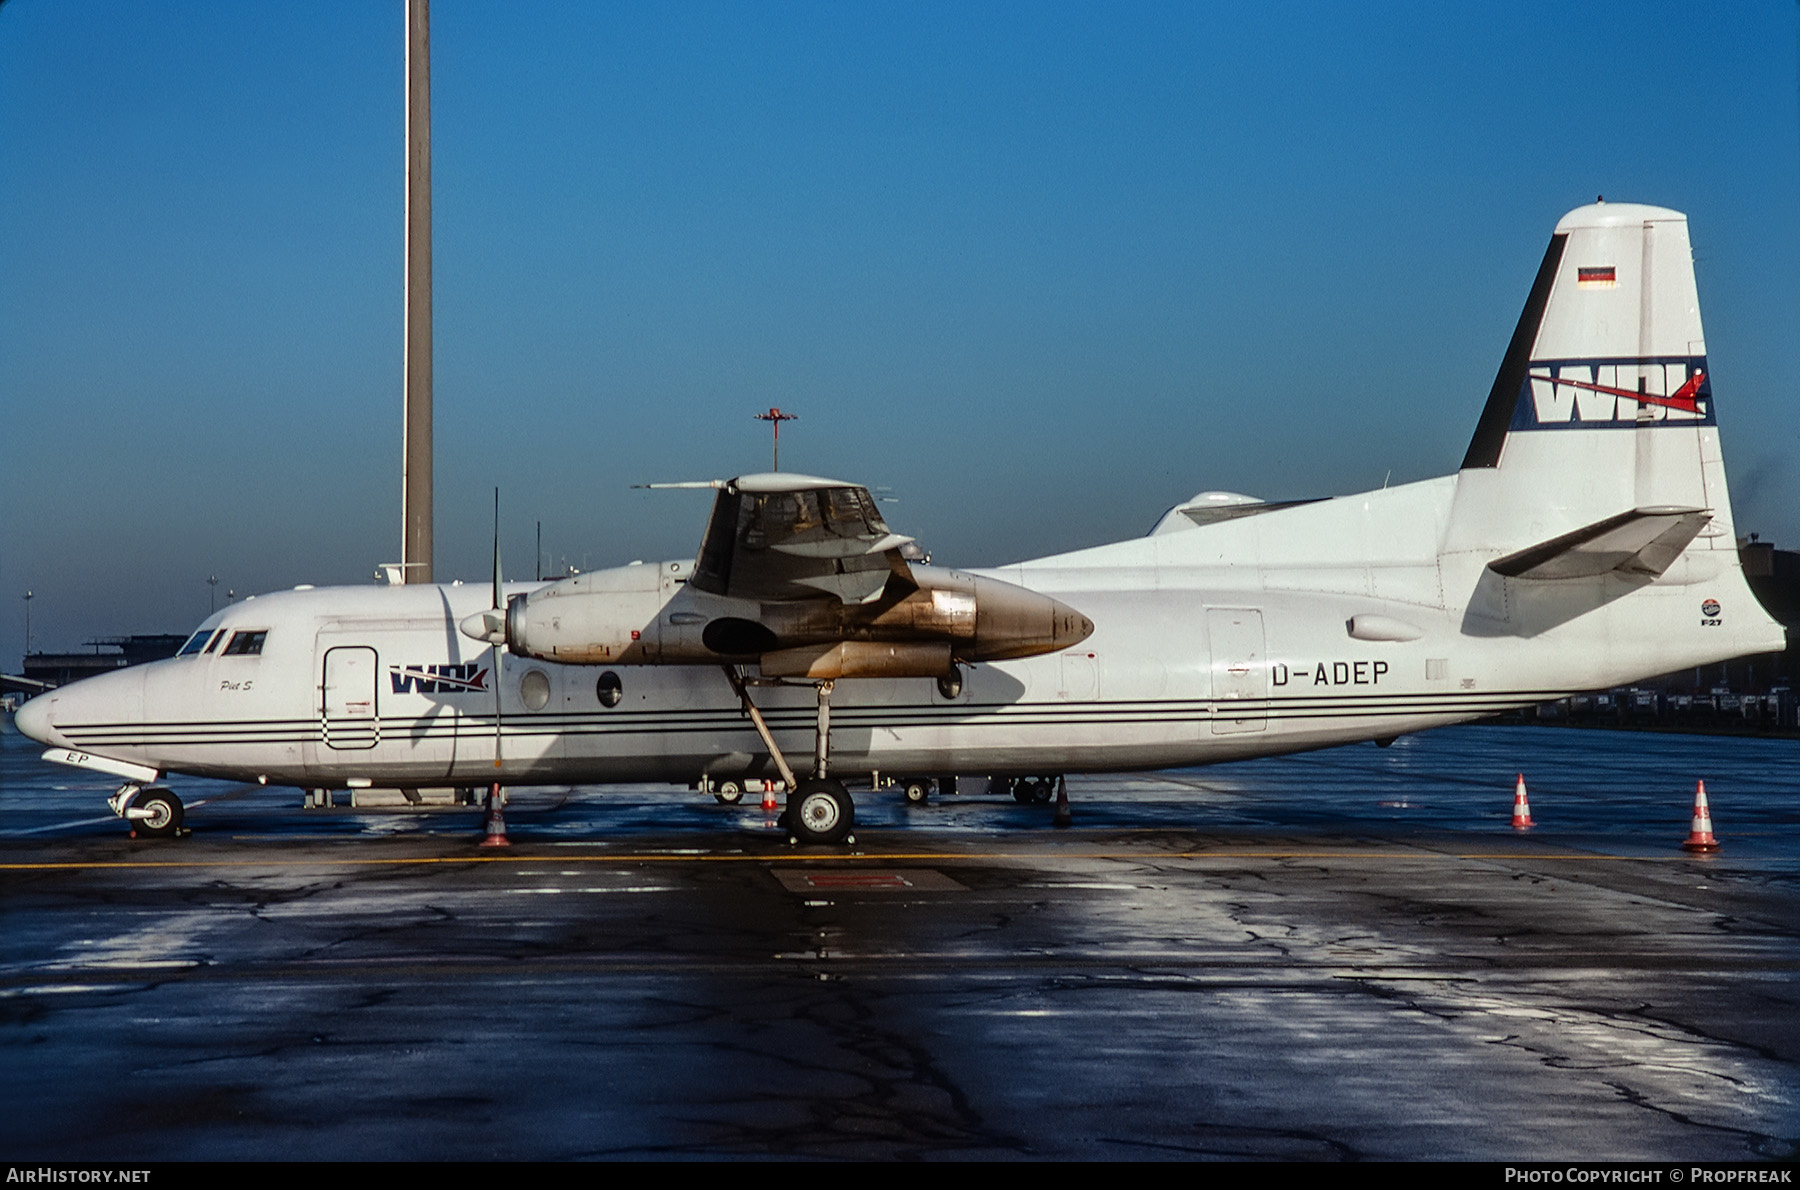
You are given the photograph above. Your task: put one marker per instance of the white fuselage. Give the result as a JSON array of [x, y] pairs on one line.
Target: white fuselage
[[1586, 541], [1216, 642]]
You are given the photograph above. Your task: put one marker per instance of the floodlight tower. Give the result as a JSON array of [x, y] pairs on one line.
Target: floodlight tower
[[416, 495], [775, 417]]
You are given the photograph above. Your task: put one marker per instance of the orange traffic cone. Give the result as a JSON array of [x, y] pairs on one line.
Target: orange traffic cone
[[1700, 834], [768, 795], [1521, 807], [496, 820]]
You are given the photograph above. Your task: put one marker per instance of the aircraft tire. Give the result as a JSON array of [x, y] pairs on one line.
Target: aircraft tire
[[917, 790], [820, 811], [165, 813], [729, 793]]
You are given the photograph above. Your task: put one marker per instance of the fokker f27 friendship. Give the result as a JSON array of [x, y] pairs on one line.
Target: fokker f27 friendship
[[1585, 541]]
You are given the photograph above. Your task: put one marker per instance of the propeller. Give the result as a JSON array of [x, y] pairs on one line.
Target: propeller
[[490, 626], [497, 639]]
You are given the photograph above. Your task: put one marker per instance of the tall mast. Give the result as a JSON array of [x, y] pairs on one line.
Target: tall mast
[[416, 496]]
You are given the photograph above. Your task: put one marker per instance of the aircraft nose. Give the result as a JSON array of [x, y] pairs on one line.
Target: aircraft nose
[[33, 720]]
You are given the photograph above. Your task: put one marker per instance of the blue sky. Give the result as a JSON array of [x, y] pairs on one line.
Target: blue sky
[[1041, 270]]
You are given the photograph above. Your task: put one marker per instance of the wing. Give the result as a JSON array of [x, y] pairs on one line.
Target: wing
[[780, 537]]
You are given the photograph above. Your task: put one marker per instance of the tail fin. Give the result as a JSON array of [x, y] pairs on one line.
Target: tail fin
[[1603, 404]]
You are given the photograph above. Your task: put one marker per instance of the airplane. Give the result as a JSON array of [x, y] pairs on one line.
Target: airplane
[[1585, 541]]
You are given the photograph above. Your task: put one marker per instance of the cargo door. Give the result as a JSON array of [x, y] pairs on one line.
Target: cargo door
[[1240, 676], [1080, 677]]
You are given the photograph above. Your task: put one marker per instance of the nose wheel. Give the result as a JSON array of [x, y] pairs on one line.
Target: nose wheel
[[154, 813]]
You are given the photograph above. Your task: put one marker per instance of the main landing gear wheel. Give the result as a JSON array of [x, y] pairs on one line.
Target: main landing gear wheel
[[821, 811], [155, 813], [916, 790], [729, 793]]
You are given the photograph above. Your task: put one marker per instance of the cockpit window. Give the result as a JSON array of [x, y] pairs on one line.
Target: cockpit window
[[217, 637], [245, 644], [195, 643]]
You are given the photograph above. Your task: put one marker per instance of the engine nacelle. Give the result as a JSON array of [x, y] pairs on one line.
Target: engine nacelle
[[606, 617], [859, 659], [918, 627]]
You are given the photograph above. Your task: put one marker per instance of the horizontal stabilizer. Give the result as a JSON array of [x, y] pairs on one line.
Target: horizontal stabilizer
[[1642, 541]]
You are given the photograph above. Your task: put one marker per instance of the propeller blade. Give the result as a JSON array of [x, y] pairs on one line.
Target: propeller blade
[[496, 651], [493, 623], [496, 549]]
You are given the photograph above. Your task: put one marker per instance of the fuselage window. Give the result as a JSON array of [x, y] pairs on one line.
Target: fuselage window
[[534, 689], [245, 644], [609, 689]]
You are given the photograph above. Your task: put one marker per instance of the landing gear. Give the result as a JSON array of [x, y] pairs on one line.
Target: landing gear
[[1031, 791], [917, 790], [728, 793], [154, 813], [820, 811]]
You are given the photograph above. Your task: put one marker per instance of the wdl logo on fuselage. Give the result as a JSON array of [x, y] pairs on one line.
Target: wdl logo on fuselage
[[1588, 394], [464, 678]]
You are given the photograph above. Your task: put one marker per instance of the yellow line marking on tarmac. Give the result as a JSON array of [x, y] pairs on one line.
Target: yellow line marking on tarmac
[[858, 857]]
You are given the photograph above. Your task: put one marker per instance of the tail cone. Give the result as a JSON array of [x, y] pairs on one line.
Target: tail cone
[[1521, 807], [1700, 834]]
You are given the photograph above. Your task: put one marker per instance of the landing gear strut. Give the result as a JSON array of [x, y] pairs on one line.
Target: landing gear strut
[[819, 810], [154, 812]]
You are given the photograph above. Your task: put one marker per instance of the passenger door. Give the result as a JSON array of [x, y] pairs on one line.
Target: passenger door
[[350, 713]]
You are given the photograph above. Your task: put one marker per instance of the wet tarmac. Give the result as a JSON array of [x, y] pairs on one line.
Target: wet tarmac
[[1347, 954]]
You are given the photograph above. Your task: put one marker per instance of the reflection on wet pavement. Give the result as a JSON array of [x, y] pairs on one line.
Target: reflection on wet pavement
[[1338, 955]]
